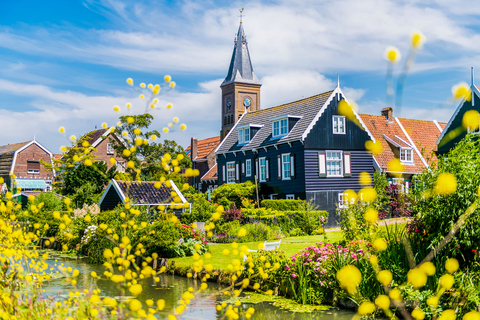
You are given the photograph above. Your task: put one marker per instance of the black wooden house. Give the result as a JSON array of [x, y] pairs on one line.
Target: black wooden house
[[303, 149]]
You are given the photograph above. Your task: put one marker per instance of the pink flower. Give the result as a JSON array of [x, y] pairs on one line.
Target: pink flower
[[294, 275]]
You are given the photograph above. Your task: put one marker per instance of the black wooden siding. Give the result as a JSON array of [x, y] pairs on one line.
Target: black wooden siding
[[321, 136], [447, 143], [111, 200], [360, 161], [273, 186]]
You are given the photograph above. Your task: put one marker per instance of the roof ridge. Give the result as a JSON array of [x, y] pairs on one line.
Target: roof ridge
[[293, 102]]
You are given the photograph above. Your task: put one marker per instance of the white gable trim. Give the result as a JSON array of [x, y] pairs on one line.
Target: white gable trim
[[324, 107], [438, 125], [26, 146], [230, 132], [174, 186], [408, 144], [477, 93], [412, 144]]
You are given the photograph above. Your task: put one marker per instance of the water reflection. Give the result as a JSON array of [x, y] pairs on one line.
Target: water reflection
[[170, 288]]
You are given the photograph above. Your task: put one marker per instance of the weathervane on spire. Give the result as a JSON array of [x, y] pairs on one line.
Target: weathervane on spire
[[241, 15]]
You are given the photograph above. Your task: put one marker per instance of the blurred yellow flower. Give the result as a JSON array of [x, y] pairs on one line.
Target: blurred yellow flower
[[418, 39], [130, 81], [371, 215], [135, 305], [168, 78], [451, 265], [428, 268], [242, 232], [395, 167], [417, 278], [395, 294], [446, 281], [448, 314], [375, 148], [461, 91], [383, 302], [470, 120], [61, 129], [365, 179], [116, 108], [183, 126], [392, 54], [380, 244], [349, 278], [385, 277], [472, 315], [418, 314], [446, 184], [366, 308]]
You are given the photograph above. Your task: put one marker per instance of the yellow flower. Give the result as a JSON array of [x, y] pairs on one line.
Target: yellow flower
[[242, 232], [130, 120], [88, 162], [165, 130], [382, 301], [417, 278], [392, 54], [175, 119], [448, 314], [446, 184], [446, 281], [375, 148], [183, 126], [380, 244], [472, 315], [417, 40], [451, 265], [351, 196], [368, 195], [365, 179], [396, 295], [432, 301], [104, 125], [366, 308], [396, 166], [226, 252], [116, 108], [371, 215], [135, 305], [461, 91], [384, 277], [142, 85], [142, 96], [349, 278], [428, 268], [418, 314], [172, 84], [167, 78], [130, 81], [135, 289], [169, 106], [374, 260], [61, 130], [156, 89]]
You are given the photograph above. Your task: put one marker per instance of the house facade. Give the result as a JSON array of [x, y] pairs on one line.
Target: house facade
[[202, 154], [411, 141], [20, 166], [300, 150]]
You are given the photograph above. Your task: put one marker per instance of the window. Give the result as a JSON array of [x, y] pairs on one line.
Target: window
[[243, 135], [248, 167], [290, 197], [231, 172], [338, 124], [263, 169], [286, 169], [334, 164], [401, 184], [109, 148], [343, 200], [120, 166], [280, 127], [33, 167], [406, 155]]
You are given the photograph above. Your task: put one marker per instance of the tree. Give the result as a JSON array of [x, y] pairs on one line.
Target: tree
[[145, 157], [97, 174]]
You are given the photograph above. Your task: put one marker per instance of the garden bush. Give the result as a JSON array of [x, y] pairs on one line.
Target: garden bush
[[283, 204], [202, 210], [233, 193]]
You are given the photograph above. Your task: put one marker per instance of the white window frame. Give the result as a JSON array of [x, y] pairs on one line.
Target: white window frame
[[231, 172], [282, 130], [110, 149], [404, 152], [33, 171], [244, 135], [262, 169], [290, 196], [286, 167], [399, 182], [329, 163], [248, 167], [343, 200], [121, 166], [338, 124]]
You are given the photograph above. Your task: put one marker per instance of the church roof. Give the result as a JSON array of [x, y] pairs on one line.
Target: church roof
[[240, 69]]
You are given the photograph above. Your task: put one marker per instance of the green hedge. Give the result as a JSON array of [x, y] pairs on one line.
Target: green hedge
[[307, 221], [282, 204]]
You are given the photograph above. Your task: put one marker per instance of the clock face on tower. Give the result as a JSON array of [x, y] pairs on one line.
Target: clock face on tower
[[229, 104], [247, 102]]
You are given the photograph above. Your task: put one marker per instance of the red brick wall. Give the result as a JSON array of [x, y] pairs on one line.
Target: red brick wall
[[101, 152], [32, 152]]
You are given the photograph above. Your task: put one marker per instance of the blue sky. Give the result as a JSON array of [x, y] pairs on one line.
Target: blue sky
[[64, 63]]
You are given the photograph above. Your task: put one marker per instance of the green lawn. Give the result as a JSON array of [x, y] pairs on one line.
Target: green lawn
[[290, 245]]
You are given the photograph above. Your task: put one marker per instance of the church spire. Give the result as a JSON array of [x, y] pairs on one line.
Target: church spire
[[240, 69]]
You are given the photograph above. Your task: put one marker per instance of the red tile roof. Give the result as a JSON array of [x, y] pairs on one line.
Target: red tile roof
[[420, 134], [205, 147], [211, 174]]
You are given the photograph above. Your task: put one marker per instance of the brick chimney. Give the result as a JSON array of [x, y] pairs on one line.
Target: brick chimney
[[193, 148], [388, 113]]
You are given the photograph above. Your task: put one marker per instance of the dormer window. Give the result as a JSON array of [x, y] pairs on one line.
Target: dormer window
[[406, 155], [244, 135], [280, 127]]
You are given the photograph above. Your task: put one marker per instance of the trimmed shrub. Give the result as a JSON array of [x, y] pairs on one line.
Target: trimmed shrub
[[283, 204]]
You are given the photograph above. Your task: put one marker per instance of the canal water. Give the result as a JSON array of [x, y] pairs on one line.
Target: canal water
[[170, 288]]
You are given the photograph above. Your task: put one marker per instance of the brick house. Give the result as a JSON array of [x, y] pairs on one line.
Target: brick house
[[202, 154], [20, 166], [103, 141]]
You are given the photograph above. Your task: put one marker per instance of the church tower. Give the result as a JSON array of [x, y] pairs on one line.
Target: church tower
[[241, 87]]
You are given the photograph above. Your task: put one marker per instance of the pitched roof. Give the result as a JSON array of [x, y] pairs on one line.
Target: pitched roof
[[211, 174], [94, 136], [204, 147], [11, 148], [307, 109], [144, 192], [240, 69], [419, 135]]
